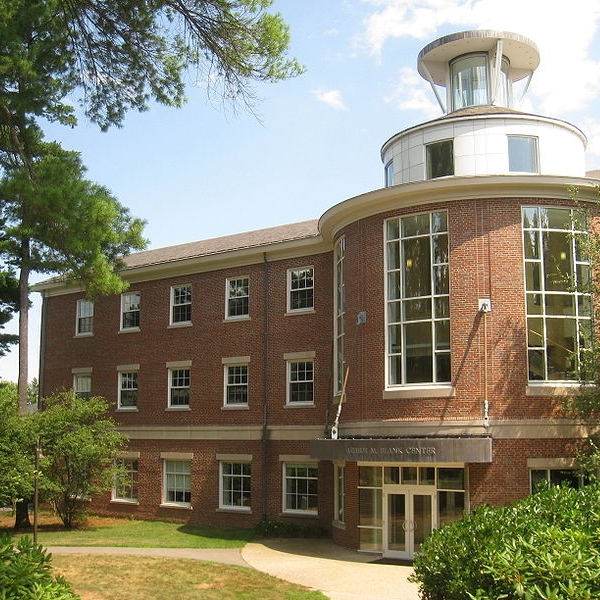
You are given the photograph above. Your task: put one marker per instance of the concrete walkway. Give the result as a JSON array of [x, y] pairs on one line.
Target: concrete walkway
[[339, 573]]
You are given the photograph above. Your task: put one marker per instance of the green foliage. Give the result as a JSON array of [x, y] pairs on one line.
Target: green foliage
[[79, 444], [17, 442], [68, 224], [543, 547], [9, 304], [26, 574], [288, 529]]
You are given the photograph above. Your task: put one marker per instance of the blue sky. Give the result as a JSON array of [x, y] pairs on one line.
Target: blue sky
[[205, 171]]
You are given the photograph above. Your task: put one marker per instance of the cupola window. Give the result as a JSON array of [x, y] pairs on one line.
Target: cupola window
[[469, 81]]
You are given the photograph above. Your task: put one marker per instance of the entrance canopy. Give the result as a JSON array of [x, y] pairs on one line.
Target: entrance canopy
[[413, 450]]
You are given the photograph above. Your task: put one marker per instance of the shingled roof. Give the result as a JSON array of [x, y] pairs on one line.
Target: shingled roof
[[228, 243]]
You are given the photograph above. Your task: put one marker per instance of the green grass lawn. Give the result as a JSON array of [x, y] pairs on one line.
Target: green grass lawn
[[98, 577], [134, 534], [149, 578]]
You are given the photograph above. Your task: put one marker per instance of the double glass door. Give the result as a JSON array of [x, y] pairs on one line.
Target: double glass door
[[409, 519]]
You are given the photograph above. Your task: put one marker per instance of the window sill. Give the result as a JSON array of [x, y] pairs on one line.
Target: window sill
[[177, 408], [235, 407], [84, 335], [303, 311], [130, 330], [551, 389], [300, 513], [419, 391], [236, 319], [124, 501], [127, 409], [179, 506], [180, 325], [300, 405], [236, 510], [338, 524]]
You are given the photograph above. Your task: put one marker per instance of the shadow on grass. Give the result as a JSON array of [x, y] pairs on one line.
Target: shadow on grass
[[221, 533]]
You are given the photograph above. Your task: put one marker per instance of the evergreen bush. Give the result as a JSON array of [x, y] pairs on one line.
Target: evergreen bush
[[26, 574], [545, 547]]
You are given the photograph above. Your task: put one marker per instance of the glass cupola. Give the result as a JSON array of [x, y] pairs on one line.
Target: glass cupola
[[477, 68]]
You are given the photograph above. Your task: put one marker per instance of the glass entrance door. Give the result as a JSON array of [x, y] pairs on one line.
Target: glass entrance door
[[409, 520]]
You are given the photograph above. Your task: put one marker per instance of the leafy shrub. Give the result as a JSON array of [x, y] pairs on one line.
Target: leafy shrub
[[545, 547], [25, 573], [288, 529]]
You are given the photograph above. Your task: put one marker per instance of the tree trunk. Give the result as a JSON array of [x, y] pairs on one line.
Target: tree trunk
[[22, 507], [24, 329], [22, 515]]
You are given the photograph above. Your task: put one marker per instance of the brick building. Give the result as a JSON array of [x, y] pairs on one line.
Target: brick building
[[378, 371]]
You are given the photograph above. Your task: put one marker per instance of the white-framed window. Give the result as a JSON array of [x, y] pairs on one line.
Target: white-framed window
[[388, 174], [82, 384], [439, 157], [235, 485], [339, 498], [558, 302], [300, 488], [177, 482], [301, 289], [523, 154], [179, 386], [236, 384], [125, 487], [237, 297], [85, 318], [128, 388], [339, 301], [571, 477], [181, 304], [130, 310], [418, 301], [301, 381]]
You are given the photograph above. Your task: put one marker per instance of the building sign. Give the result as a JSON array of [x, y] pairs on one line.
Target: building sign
[[419, 450]]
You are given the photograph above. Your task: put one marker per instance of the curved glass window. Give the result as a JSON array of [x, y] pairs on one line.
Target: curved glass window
[[503, 95], [469, 81]]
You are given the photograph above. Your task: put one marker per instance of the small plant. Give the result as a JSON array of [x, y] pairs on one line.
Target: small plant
[[288, 529], [25, 573]]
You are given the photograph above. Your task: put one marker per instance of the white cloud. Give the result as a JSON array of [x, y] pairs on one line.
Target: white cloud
[[332, 98], [413, 93]]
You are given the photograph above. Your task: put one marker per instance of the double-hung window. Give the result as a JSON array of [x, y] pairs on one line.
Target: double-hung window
[[179, 387], [128, 389], [238, 298], [418, 313], [130, 310], [126, 480], [558, 301], [301, 289], [85, 317], [177, 482], [300, 489], [301, 381], [236, 384], [181, 304], [235, 485], [82, 384]]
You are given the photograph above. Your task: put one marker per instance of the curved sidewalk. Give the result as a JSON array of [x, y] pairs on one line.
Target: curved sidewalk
[[340, 573]]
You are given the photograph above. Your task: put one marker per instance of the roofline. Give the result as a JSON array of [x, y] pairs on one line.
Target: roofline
[[452, 189], [222, 259], [509, 114]]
